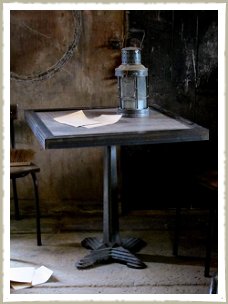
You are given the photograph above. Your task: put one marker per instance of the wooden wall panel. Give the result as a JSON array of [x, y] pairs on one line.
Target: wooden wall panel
[[38, 40]]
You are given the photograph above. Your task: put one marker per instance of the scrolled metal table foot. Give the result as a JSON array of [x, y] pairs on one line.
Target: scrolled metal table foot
[[91, 243], [130, 243], [107, 253], [95, 257], [123, 255], [133, 244]]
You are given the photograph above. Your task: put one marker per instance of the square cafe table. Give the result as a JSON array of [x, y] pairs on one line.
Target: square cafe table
[[159, 127]]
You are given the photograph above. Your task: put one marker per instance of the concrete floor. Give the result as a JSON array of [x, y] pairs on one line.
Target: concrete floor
[[165, 274]]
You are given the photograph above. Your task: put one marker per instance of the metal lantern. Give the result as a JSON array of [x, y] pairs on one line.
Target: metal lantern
[[132, 83]]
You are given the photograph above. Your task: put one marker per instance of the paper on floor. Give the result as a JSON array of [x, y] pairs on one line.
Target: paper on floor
[[23, 277], [79, 119], [22, 274]]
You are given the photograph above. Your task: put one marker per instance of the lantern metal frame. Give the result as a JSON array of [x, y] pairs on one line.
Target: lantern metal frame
[[131, 73]]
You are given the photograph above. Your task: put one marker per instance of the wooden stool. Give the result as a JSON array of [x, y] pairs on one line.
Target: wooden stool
[[20, 169], [209, 181]]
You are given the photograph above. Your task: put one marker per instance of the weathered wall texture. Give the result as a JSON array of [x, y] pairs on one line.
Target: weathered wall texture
[[38, 40], [181, 51]]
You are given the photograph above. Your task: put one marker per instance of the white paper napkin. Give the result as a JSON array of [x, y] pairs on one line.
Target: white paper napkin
[[79, 119], [23, 277]]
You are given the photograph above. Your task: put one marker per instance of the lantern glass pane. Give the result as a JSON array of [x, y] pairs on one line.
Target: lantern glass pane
[[128, 87], [128, 92], [142, 92], [141, 83]]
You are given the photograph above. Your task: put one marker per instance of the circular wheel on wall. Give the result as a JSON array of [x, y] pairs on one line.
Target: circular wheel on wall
[[42, 42]]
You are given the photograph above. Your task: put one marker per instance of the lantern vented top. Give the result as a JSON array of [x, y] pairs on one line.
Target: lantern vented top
[[131, 55]]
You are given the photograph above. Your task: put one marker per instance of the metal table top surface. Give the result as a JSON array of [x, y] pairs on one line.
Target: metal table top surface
[[156, 128]]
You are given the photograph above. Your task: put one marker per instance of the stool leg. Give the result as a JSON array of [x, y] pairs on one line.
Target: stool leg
[[214, 284], [35, 183], [15, 199], [209, 242], [177, 231]]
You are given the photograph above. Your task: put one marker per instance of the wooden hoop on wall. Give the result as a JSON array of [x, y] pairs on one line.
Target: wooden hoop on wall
[[77, 15]]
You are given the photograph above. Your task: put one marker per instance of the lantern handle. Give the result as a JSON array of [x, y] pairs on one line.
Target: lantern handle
[[134, 30]]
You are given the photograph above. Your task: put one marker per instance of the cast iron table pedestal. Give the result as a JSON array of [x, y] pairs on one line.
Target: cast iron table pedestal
[[112, 247]]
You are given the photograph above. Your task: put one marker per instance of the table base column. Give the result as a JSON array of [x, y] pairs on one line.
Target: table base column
[[112, 248]]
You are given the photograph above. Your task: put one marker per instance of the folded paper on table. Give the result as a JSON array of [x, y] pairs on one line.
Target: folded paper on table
[[79, 119], [104, 120], [23, 277]]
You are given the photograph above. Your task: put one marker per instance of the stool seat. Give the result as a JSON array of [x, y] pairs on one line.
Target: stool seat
[[17, 171]]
